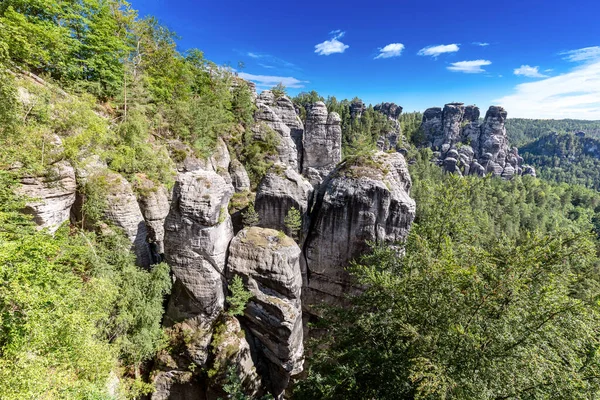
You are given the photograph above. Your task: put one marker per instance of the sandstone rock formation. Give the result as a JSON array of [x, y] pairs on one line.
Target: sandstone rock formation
[[281, 189], [322, 143], [50, 196], [123, 211], [390, 140], [196, 346], [367, 200], [483, 147], [239, 176], [285, 109], [197, 233], [269, 264], [270, 115], [154, 204], [391, 110], [357, 108]]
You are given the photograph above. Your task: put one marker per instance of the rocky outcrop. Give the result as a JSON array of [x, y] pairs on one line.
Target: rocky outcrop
[[195, 347], [50, 196], [485, 147], [269, 264], [357, 108], [391, 110], [281, 189], [322, 143], [123, 211], [392, 139], [197, 233], [270, 115], [285, 109], [239, 176], [363, 201], [154, 204]]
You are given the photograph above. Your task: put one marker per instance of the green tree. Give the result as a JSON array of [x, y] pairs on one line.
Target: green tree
[[238, 298], [293, 223], [250, 217]]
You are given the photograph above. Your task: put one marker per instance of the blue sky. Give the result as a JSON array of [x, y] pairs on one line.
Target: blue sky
[[539, 59]]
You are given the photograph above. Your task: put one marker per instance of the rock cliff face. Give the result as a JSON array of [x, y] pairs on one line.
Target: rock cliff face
[[269, 264], [322, 143], [270, 114], [366, 200], [123, 211], [465, 146], [390, 140], [197, 233], [51, 196], [281, 189], [154, 204]]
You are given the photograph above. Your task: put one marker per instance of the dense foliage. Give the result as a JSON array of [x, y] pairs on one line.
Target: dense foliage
[[74, 309], [565, 158], [521, 131], [495, 298]]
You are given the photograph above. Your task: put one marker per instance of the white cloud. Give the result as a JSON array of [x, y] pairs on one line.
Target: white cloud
[[482, 44], [528, 71], [391, 50], [469, 67], [253, 55], [269, 81], [333, 45], [585, 54], [266, 66], [435, 51], [575, 94]]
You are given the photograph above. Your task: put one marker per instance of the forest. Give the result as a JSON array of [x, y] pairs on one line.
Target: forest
[[494, 294]]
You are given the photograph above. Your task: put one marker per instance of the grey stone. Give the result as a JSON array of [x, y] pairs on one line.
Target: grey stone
[[281, 189], [198, 230], [322, 143], [50, 196], [357, 204], [239, 176], [269, 264]]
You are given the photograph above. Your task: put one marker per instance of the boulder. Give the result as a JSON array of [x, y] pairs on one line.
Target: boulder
[[322, 143], [281, 189], [357, 108], [363, 201], [50, 196], [269, 264], [198, 230]]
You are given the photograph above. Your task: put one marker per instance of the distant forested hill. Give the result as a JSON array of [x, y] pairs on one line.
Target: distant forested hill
[[568, 157], [522, 131]]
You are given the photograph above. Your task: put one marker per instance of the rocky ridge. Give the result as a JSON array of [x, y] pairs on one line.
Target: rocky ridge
[[464, 145], [342, 205]]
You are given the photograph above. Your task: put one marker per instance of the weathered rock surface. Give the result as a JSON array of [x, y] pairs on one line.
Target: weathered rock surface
[[123, 211], [391, 110], [357, 108], [239, 176], [281, 189], [446, 131], [270, 114], [365, 201], [197, 233], [285, 109], [51, 196], [322, 143], [154, 204], [268, 262], [196, 346]]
